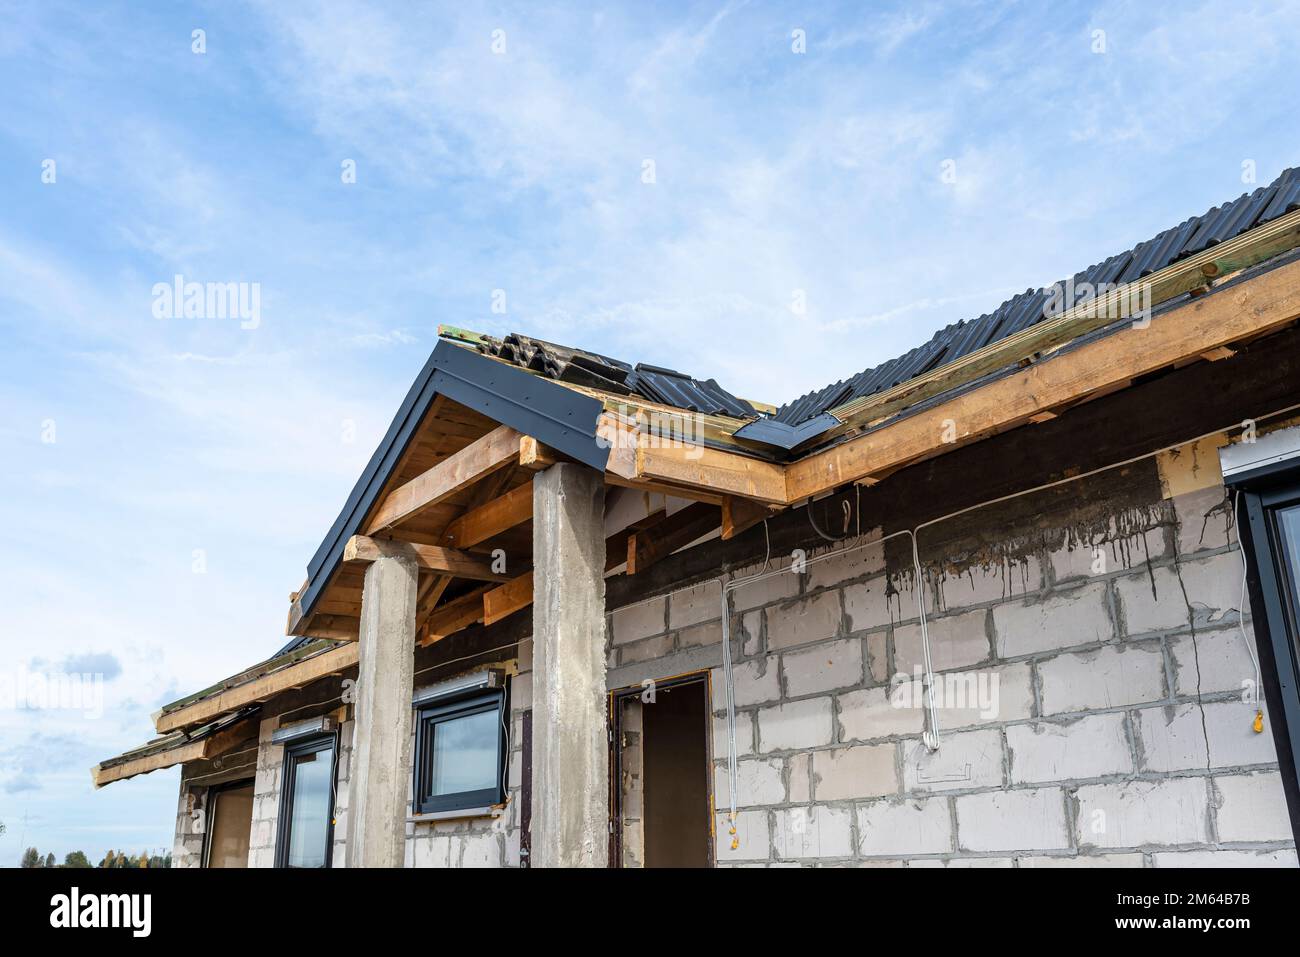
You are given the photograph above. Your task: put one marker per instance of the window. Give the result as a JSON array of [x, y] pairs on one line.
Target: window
[[307, 804], [1269, 520], [460, 747]]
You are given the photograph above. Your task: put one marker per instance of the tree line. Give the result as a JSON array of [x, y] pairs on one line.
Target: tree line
[[119, 859]]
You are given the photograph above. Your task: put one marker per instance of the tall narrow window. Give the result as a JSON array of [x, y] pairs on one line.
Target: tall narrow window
[[307, 805], [460, 754]]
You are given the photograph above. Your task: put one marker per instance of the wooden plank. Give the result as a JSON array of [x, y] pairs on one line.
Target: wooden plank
[[693, 466], [1266, 302], [460, 612], [508, 598], [447, 561], [480, 458], [191, 751], [616, 544], [294, 676], [646, 547], [534, 455], [740, 514], [499, 515], [1189, 274]]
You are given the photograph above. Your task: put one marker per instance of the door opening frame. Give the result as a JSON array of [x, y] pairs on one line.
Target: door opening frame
[[616, 745]]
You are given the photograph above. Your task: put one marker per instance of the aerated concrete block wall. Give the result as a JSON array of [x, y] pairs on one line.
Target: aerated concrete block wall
[[1095, 714]]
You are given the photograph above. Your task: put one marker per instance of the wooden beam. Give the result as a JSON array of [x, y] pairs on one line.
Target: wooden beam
[[508, 599], [447, 561], [294, 676], [497, 516], [1041, 338], [641, 458], [458, 471], [460, 612], [739, 514], [1265, 302], [534, 455], [616, 544], [191, 751], [646, 547]]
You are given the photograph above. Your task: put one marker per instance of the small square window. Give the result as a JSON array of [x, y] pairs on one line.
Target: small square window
[[460, 749]]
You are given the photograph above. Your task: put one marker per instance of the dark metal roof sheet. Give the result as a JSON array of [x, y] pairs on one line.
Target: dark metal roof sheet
[[665, 386], [1024, 310]]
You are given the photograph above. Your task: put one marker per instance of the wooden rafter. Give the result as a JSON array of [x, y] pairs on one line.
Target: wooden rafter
[[491, 519], [293, 676], [740, 514], [435, 558], [458, 471], [678, 530], [1261, 304]]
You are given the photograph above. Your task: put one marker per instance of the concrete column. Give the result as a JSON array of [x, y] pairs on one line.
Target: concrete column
[[380, 773], [570, 822]]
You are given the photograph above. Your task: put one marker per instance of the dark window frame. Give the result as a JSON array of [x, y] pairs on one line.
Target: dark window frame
[[427, 718], [292, 750], [1276, 617]]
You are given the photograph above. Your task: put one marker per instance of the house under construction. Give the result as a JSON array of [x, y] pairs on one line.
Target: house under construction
[[1026, 596]]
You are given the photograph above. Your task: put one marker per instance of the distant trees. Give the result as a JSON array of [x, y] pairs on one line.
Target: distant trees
[[32, 858]]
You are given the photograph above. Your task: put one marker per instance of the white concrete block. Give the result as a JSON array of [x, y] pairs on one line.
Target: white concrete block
[[1088, 747], [980, 584], [813, 832], [1031, 819], [880, 601], [1082, 860], [1075, 617], [1138, 813], [1233, 859], [753, 682], [857, 561], [755, 844], [758, 782], [825, 667], [984, 696], [1151, 601], [780, 586], [875, 713], [965, 759], [1251, 807], [891, 827], [857, 772], [795, 725], [690, 606], [803, 620], [1211, 661], [639, 621], [956, 641], [1107, 677]]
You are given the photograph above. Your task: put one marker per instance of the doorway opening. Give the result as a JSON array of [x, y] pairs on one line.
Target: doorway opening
[[661, 795], [230, 823]]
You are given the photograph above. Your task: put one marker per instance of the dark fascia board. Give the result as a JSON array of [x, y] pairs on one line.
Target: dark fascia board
[[768, 431], [556, 416]]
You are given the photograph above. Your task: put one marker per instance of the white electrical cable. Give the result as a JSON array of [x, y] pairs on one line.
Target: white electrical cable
[[1241, 609], [932, 740]]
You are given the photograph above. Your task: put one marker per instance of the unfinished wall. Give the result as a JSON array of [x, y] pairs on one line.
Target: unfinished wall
[[1110, 732]]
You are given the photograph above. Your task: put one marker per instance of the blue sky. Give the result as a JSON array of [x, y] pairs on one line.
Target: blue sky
[[135, 449]]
